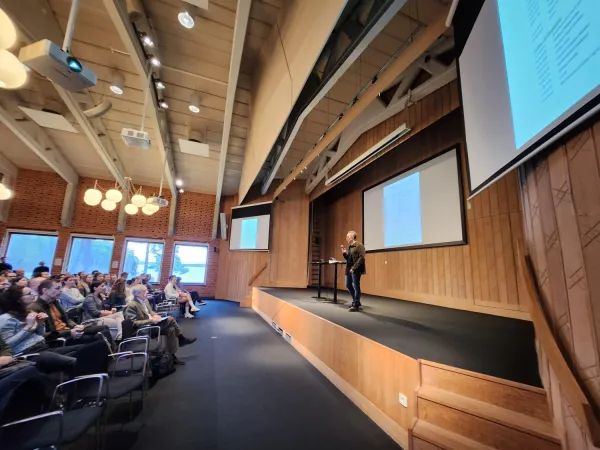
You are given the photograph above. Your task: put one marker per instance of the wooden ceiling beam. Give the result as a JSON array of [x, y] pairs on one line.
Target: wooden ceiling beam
[[158, 119], [239, 35], [410, 54]]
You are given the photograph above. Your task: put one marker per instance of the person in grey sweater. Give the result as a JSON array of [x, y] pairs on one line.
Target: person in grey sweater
[[93, 309], [71, 297]]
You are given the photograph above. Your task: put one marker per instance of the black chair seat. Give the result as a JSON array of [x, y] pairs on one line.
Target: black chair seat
[[125, 364], [44, 433], [120, 386]]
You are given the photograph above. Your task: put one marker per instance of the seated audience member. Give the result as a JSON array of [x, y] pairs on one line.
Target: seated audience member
[[34, 284], [99, 276], [20, 273], [193, 294], [93, 308], [4, 265], [40, 269], [124, 275], [172, 293], [139, 311], [24, 332], [11, 276], [21, 281], [45, 275], [107, 282], [71, 297], [146, 282], [58, 324], [117, 296], [4, 283], [85, 282], [113, 278]]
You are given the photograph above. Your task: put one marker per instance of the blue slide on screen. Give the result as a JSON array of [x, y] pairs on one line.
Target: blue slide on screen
[[552, 53], [402, 212], [249, 233]]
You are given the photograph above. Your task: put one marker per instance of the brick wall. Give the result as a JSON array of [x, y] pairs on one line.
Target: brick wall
[[37, 205]]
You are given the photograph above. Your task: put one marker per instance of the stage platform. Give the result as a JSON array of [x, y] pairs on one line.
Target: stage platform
[[491, 345]]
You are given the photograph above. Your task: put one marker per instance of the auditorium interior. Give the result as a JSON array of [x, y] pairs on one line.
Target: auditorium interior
[[267, 224]]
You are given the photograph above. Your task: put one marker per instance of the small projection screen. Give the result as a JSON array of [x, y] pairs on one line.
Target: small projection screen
[[421, 207], [250, 227], [529, 73]]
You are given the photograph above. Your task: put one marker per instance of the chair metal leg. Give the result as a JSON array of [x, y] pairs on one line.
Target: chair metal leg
[[130, 404]]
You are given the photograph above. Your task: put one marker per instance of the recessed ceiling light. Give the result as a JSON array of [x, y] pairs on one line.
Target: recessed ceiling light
[[195, 103], [185, 19], [178, 182], [159, 84], [163, 104], [147, 40], [154, 61], [118, 83], [12, 72]]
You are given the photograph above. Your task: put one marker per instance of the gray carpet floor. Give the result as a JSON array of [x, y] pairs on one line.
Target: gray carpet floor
[[492, 345], [243, 387]]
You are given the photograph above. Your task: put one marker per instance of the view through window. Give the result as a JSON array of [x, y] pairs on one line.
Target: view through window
[[25, 251], [88, 254], [189, 262], [143, 257]]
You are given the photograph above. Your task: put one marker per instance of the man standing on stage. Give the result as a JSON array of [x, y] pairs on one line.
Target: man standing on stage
[[355, 267]]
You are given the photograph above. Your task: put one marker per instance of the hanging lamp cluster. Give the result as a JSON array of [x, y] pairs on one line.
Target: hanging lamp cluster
[[108, 199]]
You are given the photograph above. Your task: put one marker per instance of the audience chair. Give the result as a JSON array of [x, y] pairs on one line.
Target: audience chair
[[74, 416]]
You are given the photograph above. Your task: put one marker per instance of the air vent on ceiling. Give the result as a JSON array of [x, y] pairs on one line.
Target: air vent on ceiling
[[48, 119], [193, 147]]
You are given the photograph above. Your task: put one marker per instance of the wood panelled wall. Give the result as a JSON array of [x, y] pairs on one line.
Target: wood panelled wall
[[288, 256], [480, 276], [561, 198]]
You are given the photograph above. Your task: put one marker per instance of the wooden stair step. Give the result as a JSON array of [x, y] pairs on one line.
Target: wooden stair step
[[445, 439], [490, 412]]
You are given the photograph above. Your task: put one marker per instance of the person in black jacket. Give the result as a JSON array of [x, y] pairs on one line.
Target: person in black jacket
[[355, 268], [58, 324], [4, 265], [41, 269]]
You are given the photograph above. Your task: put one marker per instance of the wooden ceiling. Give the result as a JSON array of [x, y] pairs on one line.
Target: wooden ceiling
[[413, 14], [192, 61]]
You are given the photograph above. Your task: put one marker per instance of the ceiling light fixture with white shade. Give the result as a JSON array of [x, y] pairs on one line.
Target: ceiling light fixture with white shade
[[8, 31], [118, 83], [5, 193], [195, 103], [186, 15], [13, 73]]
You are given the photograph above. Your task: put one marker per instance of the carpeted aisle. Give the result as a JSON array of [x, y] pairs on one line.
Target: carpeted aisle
[[244, 387]]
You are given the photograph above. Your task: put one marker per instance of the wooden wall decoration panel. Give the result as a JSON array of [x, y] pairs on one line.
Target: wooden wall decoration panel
[[480, 276], [561, 206], [287, 258]]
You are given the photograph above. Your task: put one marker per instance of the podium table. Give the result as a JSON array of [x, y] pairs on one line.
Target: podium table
[[335, 275]]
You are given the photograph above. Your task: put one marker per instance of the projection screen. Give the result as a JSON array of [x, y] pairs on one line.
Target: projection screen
[[250, 227], [421, 207], [529, 73]]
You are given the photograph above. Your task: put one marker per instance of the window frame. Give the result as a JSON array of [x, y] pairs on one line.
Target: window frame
[[151, 241], [191, 244], [9, 231], [103, 237]]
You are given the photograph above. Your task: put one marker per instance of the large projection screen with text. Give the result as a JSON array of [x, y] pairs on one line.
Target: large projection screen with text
[[529, 73], [421, 207]]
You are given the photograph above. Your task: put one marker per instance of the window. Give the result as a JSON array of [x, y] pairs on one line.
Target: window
[[88, 253], [143, 257], [189, 262], [26, 250]]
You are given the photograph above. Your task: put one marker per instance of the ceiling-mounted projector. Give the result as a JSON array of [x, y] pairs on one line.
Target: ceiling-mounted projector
[[135, 138], [158, 201], [50, 61]]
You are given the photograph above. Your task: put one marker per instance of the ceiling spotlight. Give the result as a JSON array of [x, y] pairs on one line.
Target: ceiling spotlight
[[159, 84], [147, 40], [195, 103], [186, 17], [181, 191], [118, 83], [178, 182], [163, 104], [154, 61]]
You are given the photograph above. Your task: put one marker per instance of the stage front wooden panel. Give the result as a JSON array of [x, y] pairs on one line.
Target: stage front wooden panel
[[370, 374], [287, 261], [480, 276]]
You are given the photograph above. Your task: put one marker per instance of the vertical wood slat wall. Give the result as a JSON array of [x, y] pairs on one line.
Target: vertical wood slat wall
[[561, 203], [288, 256], [480, 276]]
